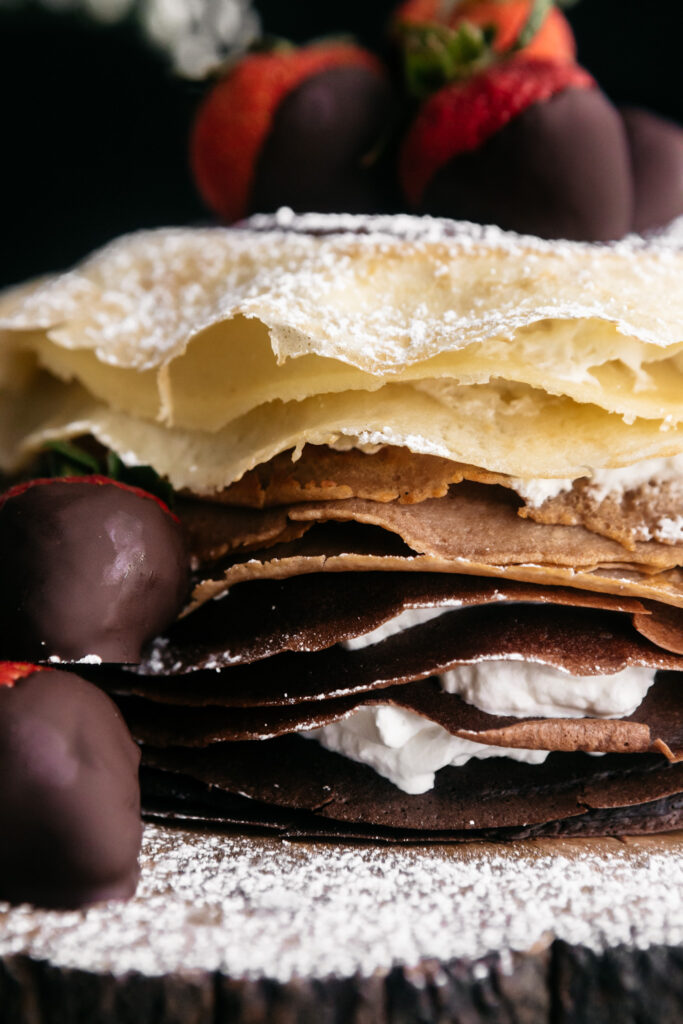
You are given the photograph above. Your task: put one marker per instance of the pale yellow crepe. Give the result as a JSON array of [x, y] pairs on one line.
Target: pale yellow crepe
[[205, 352], [506, 429]]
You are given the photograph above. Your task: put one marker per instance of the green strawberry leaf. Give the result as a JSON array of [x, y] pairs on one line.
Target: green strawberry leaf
[[64, 458], [144, 477], [434, 55]]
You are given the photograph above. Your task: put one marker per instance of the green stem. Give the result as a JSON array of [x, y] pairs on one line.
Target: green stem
[[435, 55]]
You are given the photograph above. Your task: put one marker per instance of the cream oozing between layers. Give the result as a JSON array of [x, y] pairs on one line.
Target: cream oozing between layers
[[603, 483], [408, 749]]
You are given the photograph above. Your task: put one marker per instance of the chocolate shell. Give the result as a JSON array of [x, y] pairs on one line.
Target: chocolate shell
[[89, 569], [561, 169], [70, 828], [656, 147], [314, 156]]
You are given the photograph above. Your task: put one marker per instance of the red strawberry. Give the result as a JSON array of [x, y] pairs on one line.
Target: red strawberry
[[12, 671], [89, 567], [553, 41], [292, 128], [530, 145]]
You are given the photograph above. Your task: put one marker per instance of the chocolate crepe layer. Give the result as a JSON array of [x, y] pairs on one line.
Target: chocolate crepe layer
[[662, 624], [179, 798], [472, 521], [310, 613], [475, 530], [321, 473], [493, 799], [655, 726], [638, 514], [480, 523], [396, 474], [213, 531], [453, 526], [583, 641]]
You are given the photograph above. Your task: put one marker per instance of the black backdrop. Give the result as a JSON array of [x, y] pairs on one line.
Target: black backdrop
[[94, 127]]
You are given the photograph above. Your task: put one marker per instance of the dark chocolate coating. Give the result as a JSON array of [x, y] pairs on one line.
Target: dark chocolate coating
[[321, 133], [559, 170], [70, 827], [87, 569], [657, 159]]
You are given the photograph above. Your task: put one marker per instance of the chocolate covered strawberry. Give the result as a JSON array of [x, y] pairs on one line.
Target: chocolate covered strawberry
[[70, 825], [530, 145], [294, 127], [656, 147], [554, 39], [89, 569]]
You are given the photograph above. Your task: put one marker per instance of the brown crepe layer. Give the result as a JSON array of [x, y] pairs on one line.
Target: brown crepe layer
[[474, 530], [396, 474], [288, 675], [656, 726], [170, 795], [628, 518], [577, 640], [474, 522], [314, 612], [296, 692], [294, 784], [321, 473]]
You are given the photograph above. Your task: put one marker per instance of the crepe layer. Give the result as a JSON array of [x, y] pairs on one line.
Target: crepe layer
[[207, 352], [368, 399]]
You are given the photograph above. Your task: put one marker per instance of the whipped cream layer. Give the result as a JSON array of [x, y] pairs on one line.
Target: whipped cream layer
[[405, 748], [404, 620], [523, 689], [408, 749]]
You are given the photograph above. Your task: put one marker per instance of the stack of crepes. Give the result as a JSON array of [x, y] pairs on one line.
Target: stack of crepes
[[432, 481]]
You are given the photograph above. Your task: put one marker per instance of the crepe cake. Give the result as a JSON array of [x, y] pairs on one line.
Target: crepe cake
[[430, 477]]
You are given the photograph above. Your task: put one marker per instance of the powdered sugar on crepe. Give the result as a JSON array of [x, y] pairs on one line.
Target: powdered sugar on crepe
[[377, 293]]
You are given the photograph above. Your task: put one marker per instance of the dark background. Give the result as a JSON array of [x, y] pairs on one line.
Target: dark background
[[94, 125]]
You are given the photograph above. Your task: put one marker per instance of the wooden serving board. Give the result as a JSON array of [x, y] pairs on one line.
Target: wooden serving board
[[228, 927]]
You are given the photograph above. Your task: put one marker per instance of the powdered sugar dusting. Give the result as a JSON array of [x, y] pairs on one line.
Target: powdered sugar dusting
[[377, 293], [257, 907], [669, 530]]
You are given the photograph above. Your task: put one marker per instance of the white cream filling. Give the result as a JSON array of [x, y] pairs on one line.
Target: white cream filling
[[345, 442], [404, 620], [525, 689], [604, 482], [408, 749]]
